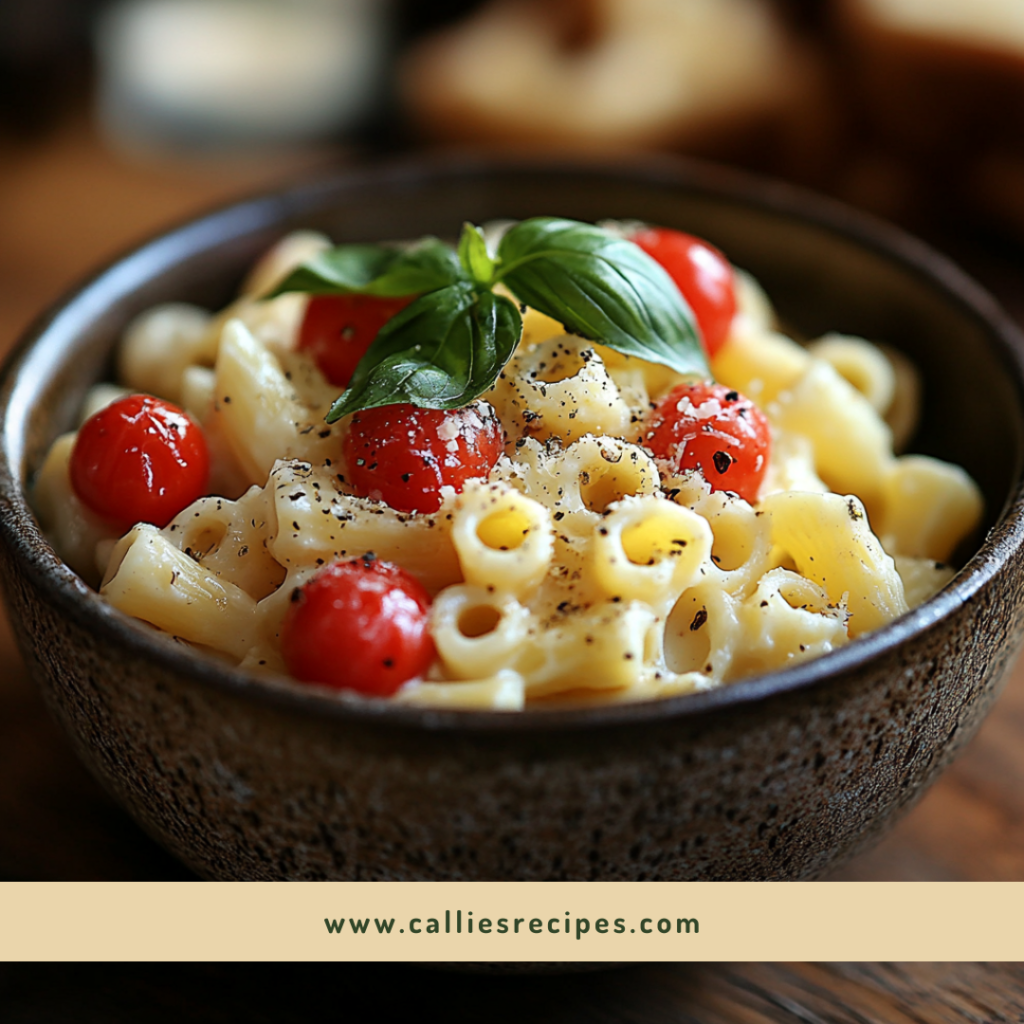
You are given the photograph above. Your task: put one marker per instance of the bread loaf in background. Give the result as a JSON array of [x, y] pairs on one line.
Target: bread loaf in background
[[938, 87], [911, 108], [716, 77]]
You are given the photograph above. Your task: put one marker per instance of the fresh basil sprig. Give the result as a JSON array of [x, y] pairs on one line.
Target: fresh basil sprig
[[383, 270], [474, 257], [448, 346], [602, 287], [440, 352]]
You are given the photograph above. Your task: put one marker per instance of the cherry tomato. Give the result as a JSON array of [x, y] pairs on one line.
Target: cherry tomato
[[139, 460], [358, 625], [718, 431], [338, 329], [404, 455], [702, 274]]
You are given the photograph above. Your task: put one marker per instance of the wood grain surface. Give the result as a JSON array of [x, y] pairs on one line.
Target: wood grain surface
[[67, 204], [863, 993]]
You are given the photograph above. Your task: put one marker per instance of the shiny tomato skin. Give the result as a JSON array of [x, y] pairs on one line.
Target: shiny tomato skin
[[338, 329], [702, 274], [404, 455], [139, 460], [714, 429], [359, 625]]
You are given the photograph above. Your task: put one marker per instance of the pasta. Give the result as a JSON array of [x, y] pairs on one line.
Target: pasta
[[582, 567]]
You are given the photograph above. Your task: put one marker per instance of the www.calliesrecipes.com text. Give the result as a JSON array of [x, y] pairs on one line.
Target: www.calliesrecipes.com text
[[463, 923]]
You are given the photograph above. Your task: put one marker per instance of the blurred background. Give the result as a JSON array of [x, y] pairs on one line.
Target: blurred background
[[120, 117]]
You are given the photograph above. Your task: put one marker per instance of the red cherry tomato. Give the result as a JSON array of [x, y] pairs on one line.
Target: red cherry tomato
[[404, 455], [359, 625], [702, 274], [338, 329], [139, 460], [713, 429]]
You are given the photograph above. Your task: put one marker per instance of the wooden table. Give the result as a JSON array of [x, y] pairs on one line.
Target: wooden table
[[65, 205], [652, 994]]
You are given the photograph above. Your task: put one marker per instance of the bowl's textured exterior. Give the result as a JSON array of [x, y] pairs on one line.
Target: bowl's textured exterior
[[777, 777]]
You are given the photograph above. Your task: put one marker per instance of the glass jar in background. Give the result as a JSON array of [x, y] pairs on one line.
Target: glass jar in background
[[221, 74]]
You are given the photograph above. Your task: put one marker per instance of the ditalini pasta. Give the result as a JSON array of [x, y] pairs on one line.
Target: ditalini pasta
[[574, 553]]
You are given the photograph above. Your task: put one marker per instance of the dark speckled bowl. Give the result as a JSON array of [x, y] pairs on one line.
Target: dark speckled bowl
[[777, 777]]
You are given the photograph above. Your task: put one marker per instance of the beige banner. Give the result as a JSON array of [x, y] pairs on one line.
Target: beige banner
[[526, 921]]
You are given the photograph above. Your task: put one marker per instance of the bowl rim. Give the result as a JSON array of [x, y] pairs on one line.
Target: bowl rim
[[28, 546]]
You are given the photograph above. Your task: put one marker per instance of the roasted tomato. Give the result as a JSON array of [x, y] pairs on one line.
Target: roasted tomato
[[404, 455], [359, 625], [702, 274], [716, 430], [338, 329], [139, 460]]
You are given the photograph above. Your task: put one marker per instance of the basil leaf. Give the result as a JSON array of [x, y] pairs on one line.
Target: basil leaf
[[474, 257], [382, 270], [601, 287], [441, 352]]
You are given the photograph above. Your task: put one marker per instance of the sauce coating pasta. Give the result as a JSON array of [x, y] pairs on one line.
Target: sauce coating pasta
[[579, 561]]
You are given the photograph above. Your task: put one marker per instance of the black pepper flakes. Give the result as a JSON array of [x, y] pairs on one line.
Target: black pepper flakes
[[722, 461]]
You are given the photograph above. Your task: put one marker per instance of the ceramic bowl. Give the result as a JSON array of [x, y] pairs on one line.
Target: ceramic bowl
[[776, 777]]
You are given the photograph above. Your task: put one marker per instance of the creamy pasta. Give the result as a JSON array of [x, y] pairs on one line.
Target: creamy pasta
[[581, 567]]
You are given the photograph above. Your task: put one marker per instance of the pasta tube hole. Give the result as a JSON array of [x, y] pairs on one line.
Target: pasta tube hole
[[862, 365], [650, 540], [601, 487], [733, 543], [479, 620], [562, 364], [800, 593], [203, 539], [688, 636], [504, 530]]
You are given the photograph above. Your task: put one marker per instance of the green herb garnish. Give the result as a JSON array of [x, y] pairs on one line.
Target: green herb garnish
[[448, 346]]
